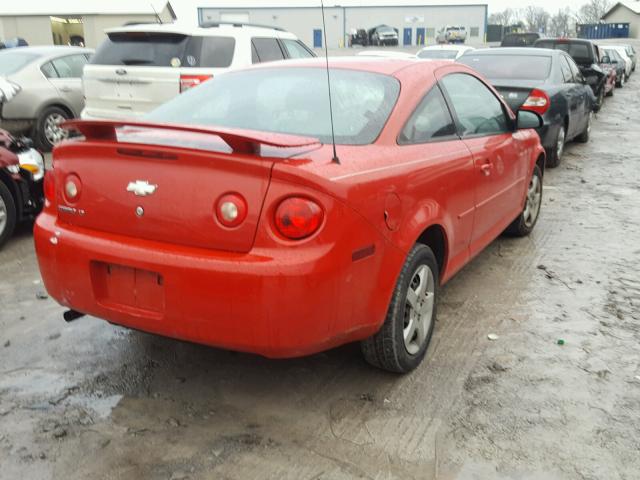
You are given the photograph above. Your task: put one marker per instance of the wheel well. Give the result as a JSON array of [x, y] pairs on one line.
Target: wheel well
[[540, 162], [434, 237], [60, 106]]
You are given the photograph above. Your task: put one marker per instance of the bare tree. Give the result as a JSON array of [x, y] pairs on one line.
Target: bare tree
[[559, 25], [592, 11], [506, 17], [536, 18]]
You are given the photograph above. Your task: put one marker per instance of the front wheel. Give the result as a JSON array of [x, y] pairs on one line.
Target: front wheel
[[526, 221], [48, 130], [600, 100], [7, 214], [402, 341], [586, 133]]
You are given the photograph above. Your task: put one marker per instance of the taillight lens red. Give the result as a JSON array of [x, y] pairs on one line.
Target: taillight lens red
[[297, 218], [72, 188], [538, 101], [49, 187], [190, 81], [231, 209]]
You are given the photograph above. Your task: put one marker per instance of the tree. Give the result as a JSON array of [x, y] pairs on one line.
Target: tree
[[592, 11], [559, 23], [536, 18], [506, 17]]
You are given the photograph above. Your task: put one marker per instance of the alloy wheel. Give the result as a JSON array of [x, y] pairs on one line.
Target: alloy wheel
[[53, 132], [534, 199], [560, 143], [418, 313], [4, 215]]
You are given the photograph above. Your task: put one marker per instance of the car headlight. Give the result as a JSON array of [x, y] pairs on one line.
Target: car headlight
[[8, 90], [32, 161]]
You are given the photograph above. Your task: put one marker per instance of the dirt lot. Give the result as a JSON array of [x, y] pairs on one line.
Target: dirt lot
[[90, 400]]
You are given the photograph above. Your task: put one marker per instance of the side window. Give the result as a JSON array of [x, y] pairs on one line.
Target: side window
[[267, 49], [217, 52], [567, 74], [70, 66], [296, 49], [48, 70], [575, 71], [479, 111], [431, 121]]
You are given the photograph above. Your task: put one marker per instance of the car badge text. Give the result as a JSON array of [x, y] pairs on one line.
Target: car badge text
[[141, 188]]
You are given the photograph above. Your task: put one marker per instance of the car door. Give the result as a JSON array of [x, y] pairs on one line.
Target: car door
[[69, 80], [486, 128], [574, 93], [265, 49], [447, 170], [586, 96]]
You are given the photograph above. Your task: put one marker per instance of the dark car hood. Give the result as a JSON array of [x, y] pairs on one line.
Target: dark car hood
[[7, 157]]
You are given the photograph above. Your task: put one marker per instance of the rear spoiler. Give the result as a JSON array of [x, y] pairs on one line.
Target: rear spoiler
[[241, 141]]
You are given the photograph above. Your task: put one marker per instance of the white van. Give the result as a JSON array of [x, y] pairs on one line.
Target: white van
[[139, 67]]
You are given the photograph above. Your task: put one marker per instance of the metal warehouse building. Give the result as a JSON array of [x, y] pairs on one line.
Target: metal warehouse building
[[625, 12], [417, 21]]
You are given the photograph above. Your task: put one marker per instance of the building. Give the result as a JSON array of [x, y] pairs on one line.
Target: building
[[64, 22], [625, 12], [417, 21]]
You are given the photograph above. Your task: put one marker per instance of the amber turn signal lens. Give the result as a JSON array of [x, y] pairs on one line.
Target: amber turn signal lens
[[231, 210], [297, 218]]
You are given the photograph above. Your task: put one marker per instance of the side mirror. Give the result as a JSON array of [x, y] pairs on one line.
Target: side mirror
[[527, 119], [606, 59]]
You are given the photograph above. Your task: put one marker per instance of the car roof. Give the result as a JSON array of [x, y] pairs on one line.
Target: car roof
[[563, 40], [382, 65], [457, 48], [50, 50], [214, 29], [524, 51]]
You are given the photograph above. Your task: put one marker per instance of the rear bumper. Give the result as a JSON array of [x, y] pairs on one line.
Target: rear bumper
[[267, 301]]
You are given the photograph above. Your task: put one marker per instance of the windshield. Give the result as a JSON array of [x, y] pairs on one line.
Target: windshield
[[578, 51], [13, 60], [438, 54], [525, 67], [520, 40], [289, 100], [164, 50], [386, 30]]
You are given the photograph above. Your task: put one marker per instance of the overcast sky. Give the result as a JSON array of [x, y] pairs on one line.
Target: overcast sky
[[549, 5]]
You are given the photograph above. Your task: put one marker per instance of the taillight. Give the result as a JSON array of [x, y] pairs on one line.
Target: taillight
[[538, 101], [72, 188], [190, 81], [49, 188], [231, 209], [297, 218]]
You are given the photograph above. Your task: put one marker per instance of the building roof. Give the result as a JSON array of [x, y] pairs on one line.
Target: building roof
[[82, 7], [332, 3], [634, 6]]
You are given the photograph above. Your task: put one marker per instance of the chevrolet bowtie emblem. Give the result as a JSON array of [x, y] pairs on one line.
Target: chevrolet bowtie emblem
[[141, 188]]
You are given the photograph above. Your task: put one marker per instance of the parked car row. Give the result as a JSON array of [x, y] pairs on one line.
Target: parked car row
[[564, 80]]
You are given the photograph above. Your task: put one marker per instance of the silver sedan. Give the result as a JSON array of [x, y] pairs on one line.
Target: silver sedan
[[40, 87]]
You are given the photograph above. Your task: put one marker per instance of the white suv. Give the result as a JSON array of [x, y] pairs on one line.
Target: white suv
[[139, 67]]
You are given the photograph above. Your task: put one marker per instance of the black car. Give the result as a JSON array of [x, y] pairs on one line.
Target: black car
[[520, 39], [359, 37], [21, 183], [547, 82], [587, 56]]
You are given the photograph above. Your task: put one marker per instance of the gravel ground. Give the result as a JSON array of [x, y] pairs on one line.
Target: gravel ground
[[90, 400]]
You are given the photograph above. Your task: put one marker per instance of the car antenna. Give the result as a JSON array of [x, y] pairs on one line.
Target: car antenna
[[326, 57], [156, 12]]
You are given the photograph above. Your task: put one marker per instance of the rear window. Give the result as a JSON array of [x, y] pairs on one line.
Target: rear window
[[525, 67], [580, 52], [438, 54], [289, 100], [520, 40], [12, 61], [165, 50]]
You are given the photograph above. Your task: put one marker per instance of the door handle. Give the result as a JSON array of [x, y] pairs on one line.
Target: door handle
[[65, 89], [486, 168]]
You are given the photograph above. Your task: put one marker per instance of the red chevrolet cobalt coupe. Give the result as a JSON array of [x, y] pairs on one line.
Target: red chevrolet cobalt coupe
[[224, 218]]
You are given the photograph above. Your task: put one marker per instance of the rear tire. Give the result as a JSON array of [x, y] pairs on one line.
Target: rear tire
[[599, 100], [401, 343], [526, 221], [586, 133], [8, 214], [46, 132], [554, 154]]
